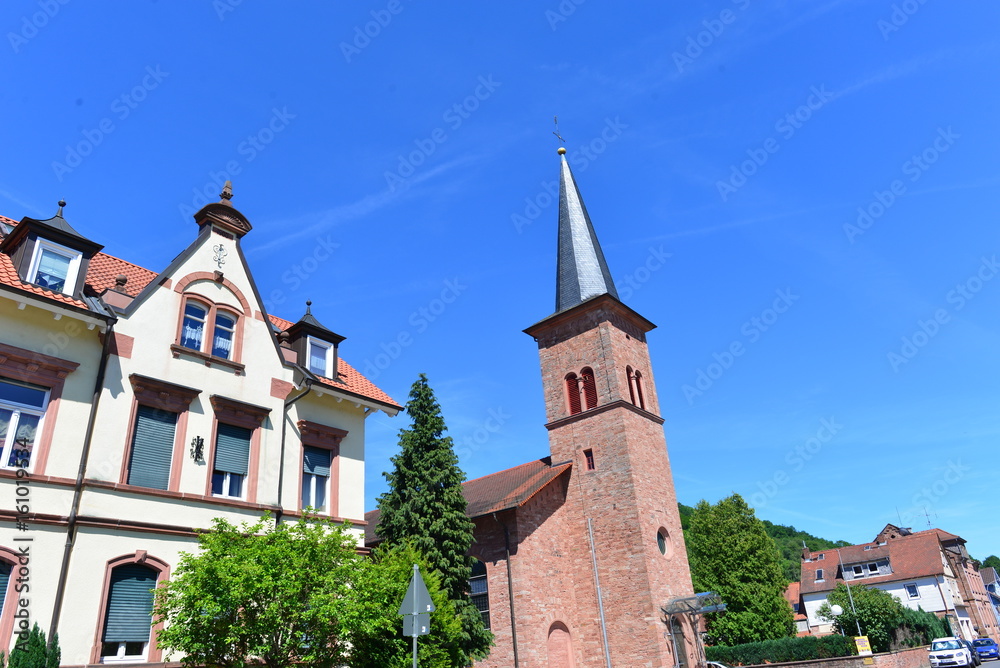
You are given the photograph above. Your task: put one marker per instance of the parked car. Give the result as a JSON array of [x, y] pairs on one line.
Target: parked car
[[951, 651], [986, 648], [973, 653]]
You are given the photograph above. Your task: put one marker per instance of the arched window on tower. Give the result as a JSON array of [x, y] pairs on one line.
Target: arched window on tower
[[638, 392], [479, 590], [573, 393], [589, 387], [630, 376]]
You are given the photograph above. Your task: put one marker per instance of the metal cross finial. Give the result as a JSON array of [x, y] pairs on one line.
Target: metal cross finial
[[555, 119]]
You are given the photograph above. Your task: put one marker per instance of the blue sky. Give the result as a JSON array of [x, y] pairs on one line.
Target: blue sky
[[811, 185]]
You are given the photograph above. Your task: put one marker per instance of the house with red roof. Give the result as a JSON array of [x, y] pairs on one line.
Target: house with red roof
[[793, 596], [924, 569], [579, 554], [138, 405]]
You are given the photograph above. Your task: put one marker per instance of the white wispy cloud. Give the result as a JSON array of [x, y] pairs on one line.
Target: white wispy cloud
[[312, 223], [31, 208]]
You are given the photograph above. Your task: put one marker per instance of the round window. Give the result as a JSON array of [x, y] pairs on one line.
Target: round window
[[663, 540]]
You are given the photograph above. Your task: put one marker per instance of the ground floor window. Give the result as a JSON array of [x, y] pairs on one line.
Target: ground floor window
[[129, 613]]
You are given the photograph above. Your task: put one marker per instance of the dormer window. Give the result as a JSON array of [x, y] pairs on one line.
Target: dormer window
[[319, 357], [54, 267], [49, 253], [315, 346]]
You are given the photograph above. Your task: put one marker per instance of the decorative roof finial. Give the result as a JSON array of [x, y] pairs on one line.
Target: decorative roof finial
[[62, 203], [308, 305], [227, 191], [561, 150]]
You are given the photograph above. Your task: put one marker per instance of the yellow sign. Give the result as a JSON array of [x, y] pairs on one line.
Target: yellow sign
[[864, 648]]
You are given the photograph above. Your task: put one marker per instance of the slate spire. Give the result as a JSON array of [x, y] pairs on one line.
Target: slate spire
[[581, 270]]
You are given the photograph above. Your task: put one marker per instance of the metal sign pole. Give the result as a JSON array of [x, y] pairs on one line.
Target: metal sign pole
[[416, 610], [416, 574]]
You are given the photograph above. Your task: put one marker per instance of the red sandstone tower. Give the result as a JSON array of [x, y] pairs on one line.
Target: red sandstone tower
[[577, 553], [628, 555]]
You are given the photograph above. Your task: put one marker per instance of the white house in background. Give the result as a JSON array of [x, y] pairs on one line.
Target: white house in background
[[926, 569], [137, 406]]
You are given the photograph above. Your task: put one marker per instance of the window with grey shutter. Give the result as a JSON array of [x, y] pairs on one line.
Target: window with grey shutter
[[315, 474], [316, 461], [130, 604], [152, 447], [5, 570], [232, 449], [232, 456]]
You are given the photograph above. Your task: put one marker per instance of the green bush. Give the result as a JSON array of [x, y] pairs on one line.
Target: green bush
[[782, 649], [918, 627]]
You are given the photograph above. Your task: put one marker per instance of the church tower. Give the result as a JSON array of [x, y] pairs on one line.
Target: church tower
[[604, 417]]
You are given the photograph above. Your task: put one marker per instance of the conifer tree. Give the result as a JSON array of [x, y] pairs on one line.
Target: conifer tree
[[425, 508], [731, 554], [35, 652]]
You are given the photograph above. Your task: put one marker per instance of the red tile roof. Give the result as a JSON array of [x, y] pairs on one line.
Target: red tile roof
[[912, 556], [510, 488], [101, 275], [492, 493], [354, 381], [104, 269], [794, 599]]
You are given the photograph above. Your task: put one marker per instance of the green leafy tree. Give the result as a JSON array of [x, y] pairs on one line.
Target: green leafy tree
[[379, 641], [879, 614], [425, 507], [992, 561], [731, 554], [34, 651], [278, 595]]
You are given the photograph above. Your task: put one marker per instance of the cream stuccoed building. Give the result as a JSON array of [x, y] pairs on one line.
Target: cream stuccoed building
[[137, 406]]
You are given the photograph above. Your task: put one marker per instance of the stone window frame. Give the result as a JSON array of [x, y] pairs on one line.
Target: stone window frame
[[163, 396], [316, 435], [237, 414], [153, 653], [212, 309], [42, 370]]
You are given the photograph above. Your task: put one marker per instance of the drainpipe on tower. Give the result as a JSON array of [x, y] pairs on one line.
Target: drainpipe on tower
[[510, 588]]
